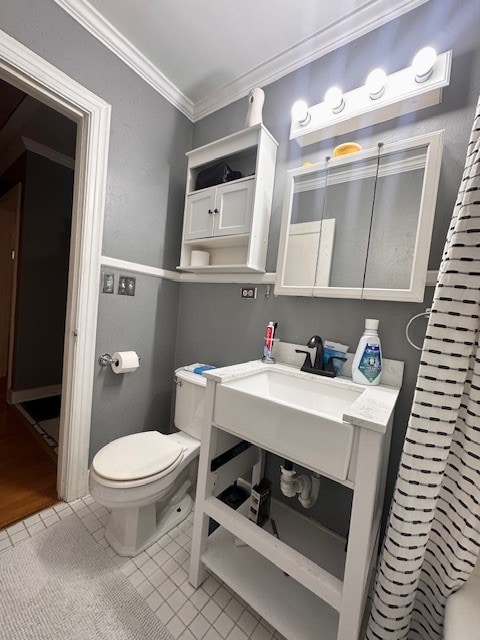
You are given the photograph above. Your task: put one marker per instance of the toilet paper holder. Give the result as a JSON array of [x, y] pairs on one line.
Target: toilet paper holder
[[106, 360]]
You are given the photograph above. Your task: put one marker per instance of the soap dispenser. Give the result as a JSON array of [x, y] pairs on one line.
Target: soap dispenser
[[367, 362]]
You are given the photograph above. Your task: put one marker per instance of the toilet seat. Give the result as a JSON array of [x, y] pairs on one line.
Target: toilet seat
[[137, 459]]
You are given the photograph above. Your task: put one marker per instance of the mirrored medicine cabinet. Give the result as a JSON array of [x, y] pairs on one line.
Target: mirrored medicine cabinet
[[360, 225]]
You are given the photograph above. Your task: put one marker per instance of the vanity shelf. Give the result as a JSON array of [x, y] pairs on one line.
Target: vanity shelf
[[324, 593], [280, 599]]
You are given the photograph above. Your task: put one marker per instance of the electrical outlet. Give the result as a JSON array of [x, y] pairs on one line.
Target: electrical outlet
[[126, 286], [249, 293], [108, 283]]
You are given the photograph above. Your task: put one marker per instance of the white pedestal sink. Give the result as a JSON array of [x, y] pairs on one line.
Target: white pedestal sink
[[309, 588], [308, 419]]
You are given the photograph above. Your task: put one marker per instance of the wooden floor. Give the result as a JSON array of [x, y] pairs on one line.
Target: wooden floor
[[28, 474]]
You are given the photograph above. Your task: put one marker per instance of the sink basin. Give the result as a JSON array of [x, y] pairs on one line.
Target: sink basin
[[297, 415], [323, 395]]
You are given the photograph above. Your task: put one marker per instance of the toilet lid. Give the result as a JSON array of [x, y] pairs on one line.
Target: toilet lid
[[137, 456]]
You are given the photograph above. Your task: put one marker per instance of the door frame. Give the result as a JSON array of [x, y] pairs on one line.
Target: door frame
[[29, 72]]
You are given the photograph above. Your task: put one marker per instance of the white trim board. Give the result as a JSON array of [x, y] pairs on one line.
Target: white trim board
[[219, 278], [29, 72], [25, 395], [225, 278], [333, 36]]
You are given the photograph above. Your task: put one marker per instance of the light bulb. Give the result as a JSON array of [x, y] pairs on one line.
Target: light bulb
[[423, 62], [375, 83], [334, 99], [300, 113]]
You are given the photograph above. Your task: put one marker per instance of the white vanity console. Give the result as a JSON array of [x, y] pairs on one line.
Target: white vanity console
[[309, 583]]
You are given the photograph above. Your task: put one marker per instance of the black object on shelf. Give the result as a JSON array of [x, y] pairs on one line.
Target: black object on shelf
[[216, 174], [233, 496]]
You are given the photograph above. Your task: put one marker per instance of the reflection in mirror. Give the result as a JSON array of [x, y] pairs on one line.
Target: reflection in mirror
[[350, 193], [328, 234], [360, 226], [307, 260], [395, 219]]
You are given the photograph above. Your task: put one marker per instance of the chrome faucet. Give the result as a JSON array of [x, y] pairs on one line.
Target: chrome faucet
[[318, 368]]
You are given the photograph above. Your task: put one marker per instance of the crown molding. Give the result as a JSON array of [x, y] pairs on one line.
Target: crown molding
[[353, 26], [107, 34], [334, 36]]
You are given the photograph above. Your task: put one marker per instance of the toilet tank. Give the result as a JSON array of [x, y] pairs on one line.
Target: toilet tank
[[189, 403]]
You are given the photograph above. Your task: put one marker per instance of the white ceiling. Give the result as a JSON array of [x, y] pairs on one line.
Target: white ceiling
[[204, 54]]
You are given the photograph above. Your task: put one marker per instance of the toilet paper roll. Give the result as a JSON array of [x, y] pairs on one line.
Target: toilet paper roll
[[199, 258], [125, 362]]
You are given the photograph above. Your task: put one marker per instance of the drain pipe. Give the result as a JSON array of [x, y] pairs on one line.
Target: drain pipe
[[307, 487]]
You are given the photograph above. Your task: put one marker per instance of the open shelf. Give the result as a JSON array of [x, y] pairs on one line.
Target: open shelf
[[237, 181], [295, 611]]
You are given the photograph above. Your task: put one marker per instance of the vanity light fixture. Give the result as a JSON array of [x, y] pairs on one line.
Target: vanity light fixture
[[382, 98], [423, 64], [334, 99], [375, 83], [300, 113]]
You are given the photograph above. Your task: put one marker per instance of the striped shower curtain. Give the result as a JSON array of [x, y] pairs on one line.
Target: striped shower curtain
[[433, 534]]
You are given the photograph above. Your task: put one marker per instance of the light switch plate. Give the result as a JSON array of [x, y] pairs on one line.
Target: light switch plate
[[108, 283], [126, 286]]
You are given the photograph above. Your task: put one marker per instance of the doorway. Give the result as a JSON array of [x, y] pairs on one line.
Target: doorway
[[9, 229], [28, 468], [30, 73]]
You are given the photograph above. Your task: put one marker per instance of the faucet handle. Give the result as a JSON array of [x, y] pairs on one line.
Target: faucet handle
[[308, 359]]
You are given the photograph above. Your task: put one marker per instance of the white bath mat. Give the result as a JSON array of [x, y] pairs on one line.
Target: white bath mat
[[60, 584]]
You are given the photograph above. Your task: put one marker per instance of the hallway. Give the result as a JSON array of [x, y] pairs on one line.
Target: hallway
[[27, 472]]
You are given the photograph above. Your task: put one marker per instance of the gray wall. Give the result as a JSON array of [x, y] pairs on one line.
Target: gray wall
[[216, 326], [143, 216], [124, 404]]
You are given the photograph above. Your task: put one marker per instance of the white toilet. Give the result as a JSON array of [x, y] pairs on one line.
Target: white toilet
[[144, 478]]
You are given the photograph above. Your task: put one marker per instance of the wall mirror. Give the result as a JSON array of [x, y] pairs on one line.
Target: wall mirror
[[360, 226]]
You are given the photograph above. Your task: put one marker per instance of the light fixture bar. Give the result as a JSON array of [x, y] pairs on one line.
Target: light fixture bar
[[402, 95]]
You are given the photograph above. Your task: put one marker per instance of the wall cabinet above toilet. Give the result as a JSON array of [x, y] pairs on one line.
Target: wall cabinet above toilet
[[229, 222]]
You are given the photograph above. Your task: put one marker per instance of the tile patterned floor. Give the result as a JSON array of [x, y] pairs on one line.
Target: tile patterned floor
[[160, 575]]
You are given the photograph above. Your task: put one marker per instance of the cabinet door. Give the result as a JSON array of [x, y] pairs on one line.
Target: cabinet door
[[199, 215], [233, 206]]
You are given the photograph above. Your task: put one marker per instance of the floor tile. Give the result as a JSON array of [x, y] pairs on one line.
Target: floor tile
[[160, 576]]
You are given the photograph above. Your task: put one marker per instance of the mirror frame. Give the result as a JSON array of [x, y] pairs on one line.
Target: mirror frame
[[416, 290]]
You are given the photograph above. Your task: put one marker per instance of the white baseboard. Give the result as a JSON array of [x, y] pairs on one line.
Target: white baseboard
[[24, 395]]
